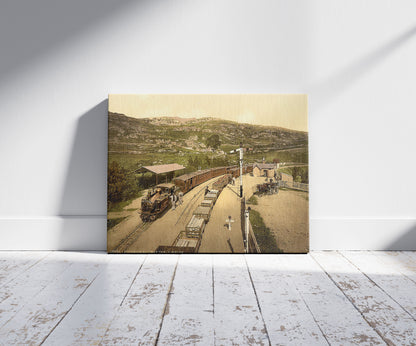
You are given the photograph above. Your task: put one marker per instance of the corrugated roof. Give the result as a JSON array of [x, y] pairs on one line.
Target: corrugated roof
[[159, 169]]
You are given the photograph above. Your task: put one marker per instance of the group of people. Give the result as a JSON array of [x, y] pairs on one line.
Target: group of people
[[176, 199]]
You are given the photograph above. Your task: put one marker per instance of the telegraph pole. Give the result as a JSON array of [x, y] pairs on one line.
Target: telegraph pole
[[247, 220], [241, 150], [241, 169]]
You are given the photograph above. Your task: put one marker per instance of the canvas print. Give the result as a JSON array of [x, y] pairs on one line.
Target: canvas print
[[208, 174]]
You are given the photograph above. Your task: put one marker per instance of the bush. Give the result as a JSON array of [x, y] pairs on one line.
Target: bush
[[253, 200]]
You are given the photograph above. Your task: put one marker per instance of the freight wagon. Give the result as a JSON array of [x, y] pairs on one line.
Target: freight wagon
[[187, 241], [207, 203], [203, 212]]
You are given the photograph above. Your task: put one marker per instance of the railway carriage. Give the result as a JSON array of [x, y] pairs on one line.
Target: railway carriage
[[235, 172], [218, 171], [188, 181], [184, 182]]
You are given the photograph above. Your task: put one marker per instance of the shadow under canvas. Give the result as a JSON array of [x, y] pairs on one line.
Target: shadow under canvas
[[83, 203]]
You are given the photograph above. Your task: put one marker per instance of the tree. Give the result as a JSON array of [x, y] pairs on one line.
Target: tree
[[116, 182], [213, 141], [121, 185], [296, 172], [305, 176]]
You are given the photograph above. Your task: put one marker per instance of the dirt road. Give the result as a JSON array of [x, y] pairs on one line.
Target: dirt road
[[287, 216]]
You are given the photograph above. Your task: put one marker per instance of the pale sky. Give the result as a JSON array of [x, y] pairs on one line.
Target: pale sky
[[289, 111]]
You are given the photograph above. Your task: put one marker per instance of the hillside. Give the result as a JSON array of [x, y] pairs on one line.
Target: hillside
[[180, 136]]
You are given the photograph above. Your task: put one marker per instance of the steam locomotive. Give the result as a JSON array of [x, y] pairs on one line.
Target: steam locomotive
[[156, 202]]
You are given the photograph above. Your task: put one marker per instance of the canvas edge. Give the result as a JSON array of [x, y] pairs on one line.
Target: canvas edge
[[88, 233]]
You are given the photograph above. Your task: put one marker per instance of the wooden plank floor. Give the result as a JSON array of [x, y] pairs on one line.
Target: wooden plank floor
[[86, 298]]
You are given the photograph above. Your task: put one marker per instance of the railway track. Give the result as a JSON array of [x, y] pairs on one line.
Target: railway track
[[124, 245], [188, 209], [131, 238]]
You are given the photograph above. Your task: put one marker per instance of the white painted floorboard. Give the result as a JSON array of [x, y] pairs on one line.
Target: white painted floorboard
[[40, 314], [90, 318], [287, 317], [385, 315], [139, 317], [14, 263], [16, 293], [338, 319], [189, 315], [398, 287], [237, 316], [336, 298]]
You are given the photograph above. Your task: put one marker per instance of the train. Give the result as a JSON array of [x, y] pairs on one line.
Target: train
[[158, 200], [187, 182]]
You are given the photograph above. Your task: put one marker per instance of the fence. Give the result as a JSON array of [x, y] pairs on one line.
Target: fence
[[253, 247], [293, 185]]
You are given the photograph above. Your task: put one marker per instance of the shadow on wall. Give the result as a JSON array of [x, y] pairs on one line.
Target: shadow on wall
[[407, 242], [25, 27], [83, 204], [324, 92]]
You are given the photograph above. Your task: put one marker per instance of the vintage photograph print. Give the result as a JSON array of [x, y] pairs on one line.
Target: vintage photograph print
[[208, 174]]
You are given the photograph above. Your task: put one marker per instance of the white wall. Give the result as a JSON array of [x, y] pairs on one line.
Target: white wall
[[60, 59]]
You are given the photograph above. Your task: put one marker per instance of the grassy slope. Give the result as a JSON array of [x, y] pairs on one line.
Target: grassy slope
[[134, 142], [112, 222]]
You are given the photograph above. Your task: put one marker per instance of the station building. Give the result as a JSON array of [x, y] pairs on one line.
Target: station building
[[264, 169]]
